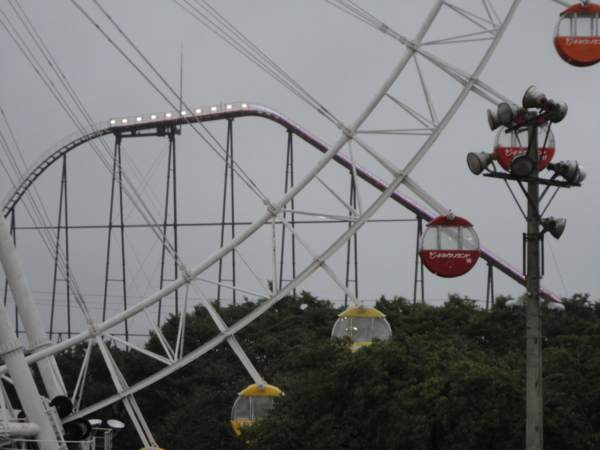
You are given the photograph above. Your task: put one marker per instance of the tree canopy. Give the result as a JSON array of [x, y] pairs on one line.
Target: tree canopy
[[451, 377]]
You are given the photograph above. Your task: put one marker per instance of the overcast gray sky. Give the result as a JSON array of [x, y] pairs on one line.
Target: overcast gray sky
[[341, 62]]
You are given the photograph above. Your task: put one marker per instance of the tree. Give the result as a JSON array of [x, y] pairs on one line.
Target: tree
[[451, 377], [431, 387]]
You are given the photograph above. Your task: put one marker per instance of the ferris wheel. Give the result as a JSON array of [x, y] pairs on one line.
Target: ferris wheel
[[454, 43]]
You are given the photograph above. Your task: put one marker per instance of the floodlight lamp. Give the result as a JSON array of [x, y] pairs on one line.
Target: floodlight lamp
[[558, 112], [534, 98], [507, 113], [581, 175], [522, 166], [569, 170], [493, 119], [477, 162], [555, 227]]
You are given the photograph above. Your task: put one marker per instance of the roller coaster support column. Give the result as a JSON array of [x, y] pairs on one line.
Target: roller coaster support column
[[11, 351]]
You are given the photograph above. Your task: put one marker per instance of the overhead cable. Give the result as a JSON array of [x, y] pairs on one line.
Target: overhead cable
[[243, 176]]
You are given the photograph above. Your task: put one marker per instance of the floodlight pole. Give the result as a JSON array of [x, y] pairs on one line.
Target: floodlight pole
[[534, 435], [525, 168]]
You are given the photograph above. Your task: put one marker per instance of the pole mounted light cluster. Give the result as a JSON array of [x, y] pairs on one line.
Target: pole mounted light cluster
[[523, 166], [537, 109], [514, 118]]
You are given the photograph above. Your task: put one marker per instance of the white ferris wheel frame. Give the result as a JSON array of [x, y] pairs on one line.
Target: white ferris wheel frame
[[175, 358]]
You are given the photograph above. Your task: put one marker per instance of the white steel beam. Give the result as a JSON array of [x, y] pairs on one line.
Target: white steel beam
[[28, 312], [11, 351], [128, 400], [231, 340]]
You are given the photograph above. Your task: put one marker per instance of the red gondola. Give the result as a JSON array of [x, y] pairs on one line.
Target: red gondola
[[509, 145], [577, 37], [449, 247]]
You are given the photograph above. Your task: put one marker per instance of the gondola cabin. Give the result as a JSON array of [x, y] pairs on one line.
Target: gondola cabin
[[252, 405], [362, 326], [509, 145], [576, 37], [449, 247]]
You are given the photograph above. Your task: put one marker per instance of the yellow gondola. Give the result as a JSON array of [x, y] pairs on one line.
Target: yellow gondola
[[362, 325], [252, 405]]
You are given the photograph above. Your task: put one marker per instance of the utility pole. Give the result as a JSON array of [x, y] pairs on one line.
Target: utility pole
[[524, 167], [534, 436]]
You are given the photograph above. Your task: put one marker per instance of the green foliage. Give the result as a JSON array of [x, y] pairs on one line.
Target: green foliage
[[420, 393], [451, 378]]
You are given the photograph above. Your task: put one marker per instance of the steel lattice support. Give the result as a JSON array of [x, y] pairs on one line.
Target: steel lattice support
[[419, 264], [170, 198], [228, 177], [352, 247], [62, 215], [289, 183], [117, 184]]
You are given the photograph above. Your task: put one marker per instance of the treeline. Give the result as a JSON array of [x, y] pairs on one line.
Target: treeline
[[452, 377]]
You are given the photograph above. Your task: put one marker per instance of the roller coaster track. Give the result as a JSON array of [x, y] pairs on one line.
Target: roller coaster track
[[142, 125]]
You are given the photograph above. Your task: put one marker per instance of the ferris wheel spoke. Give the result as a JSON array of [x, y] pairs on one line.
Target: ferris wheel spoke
[[463, 78], [427, 124], [161, 337], [181, 329], [239, 351], [463, 39], [255, 274], [234, 288], [323, 264], [476, 19], [217, 319], [343, 202], [340, 283], [423, 195], [386, 163], [80, 384], [128, 400], [426, 93], [138, 349], [231, 340], [320, 214]]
